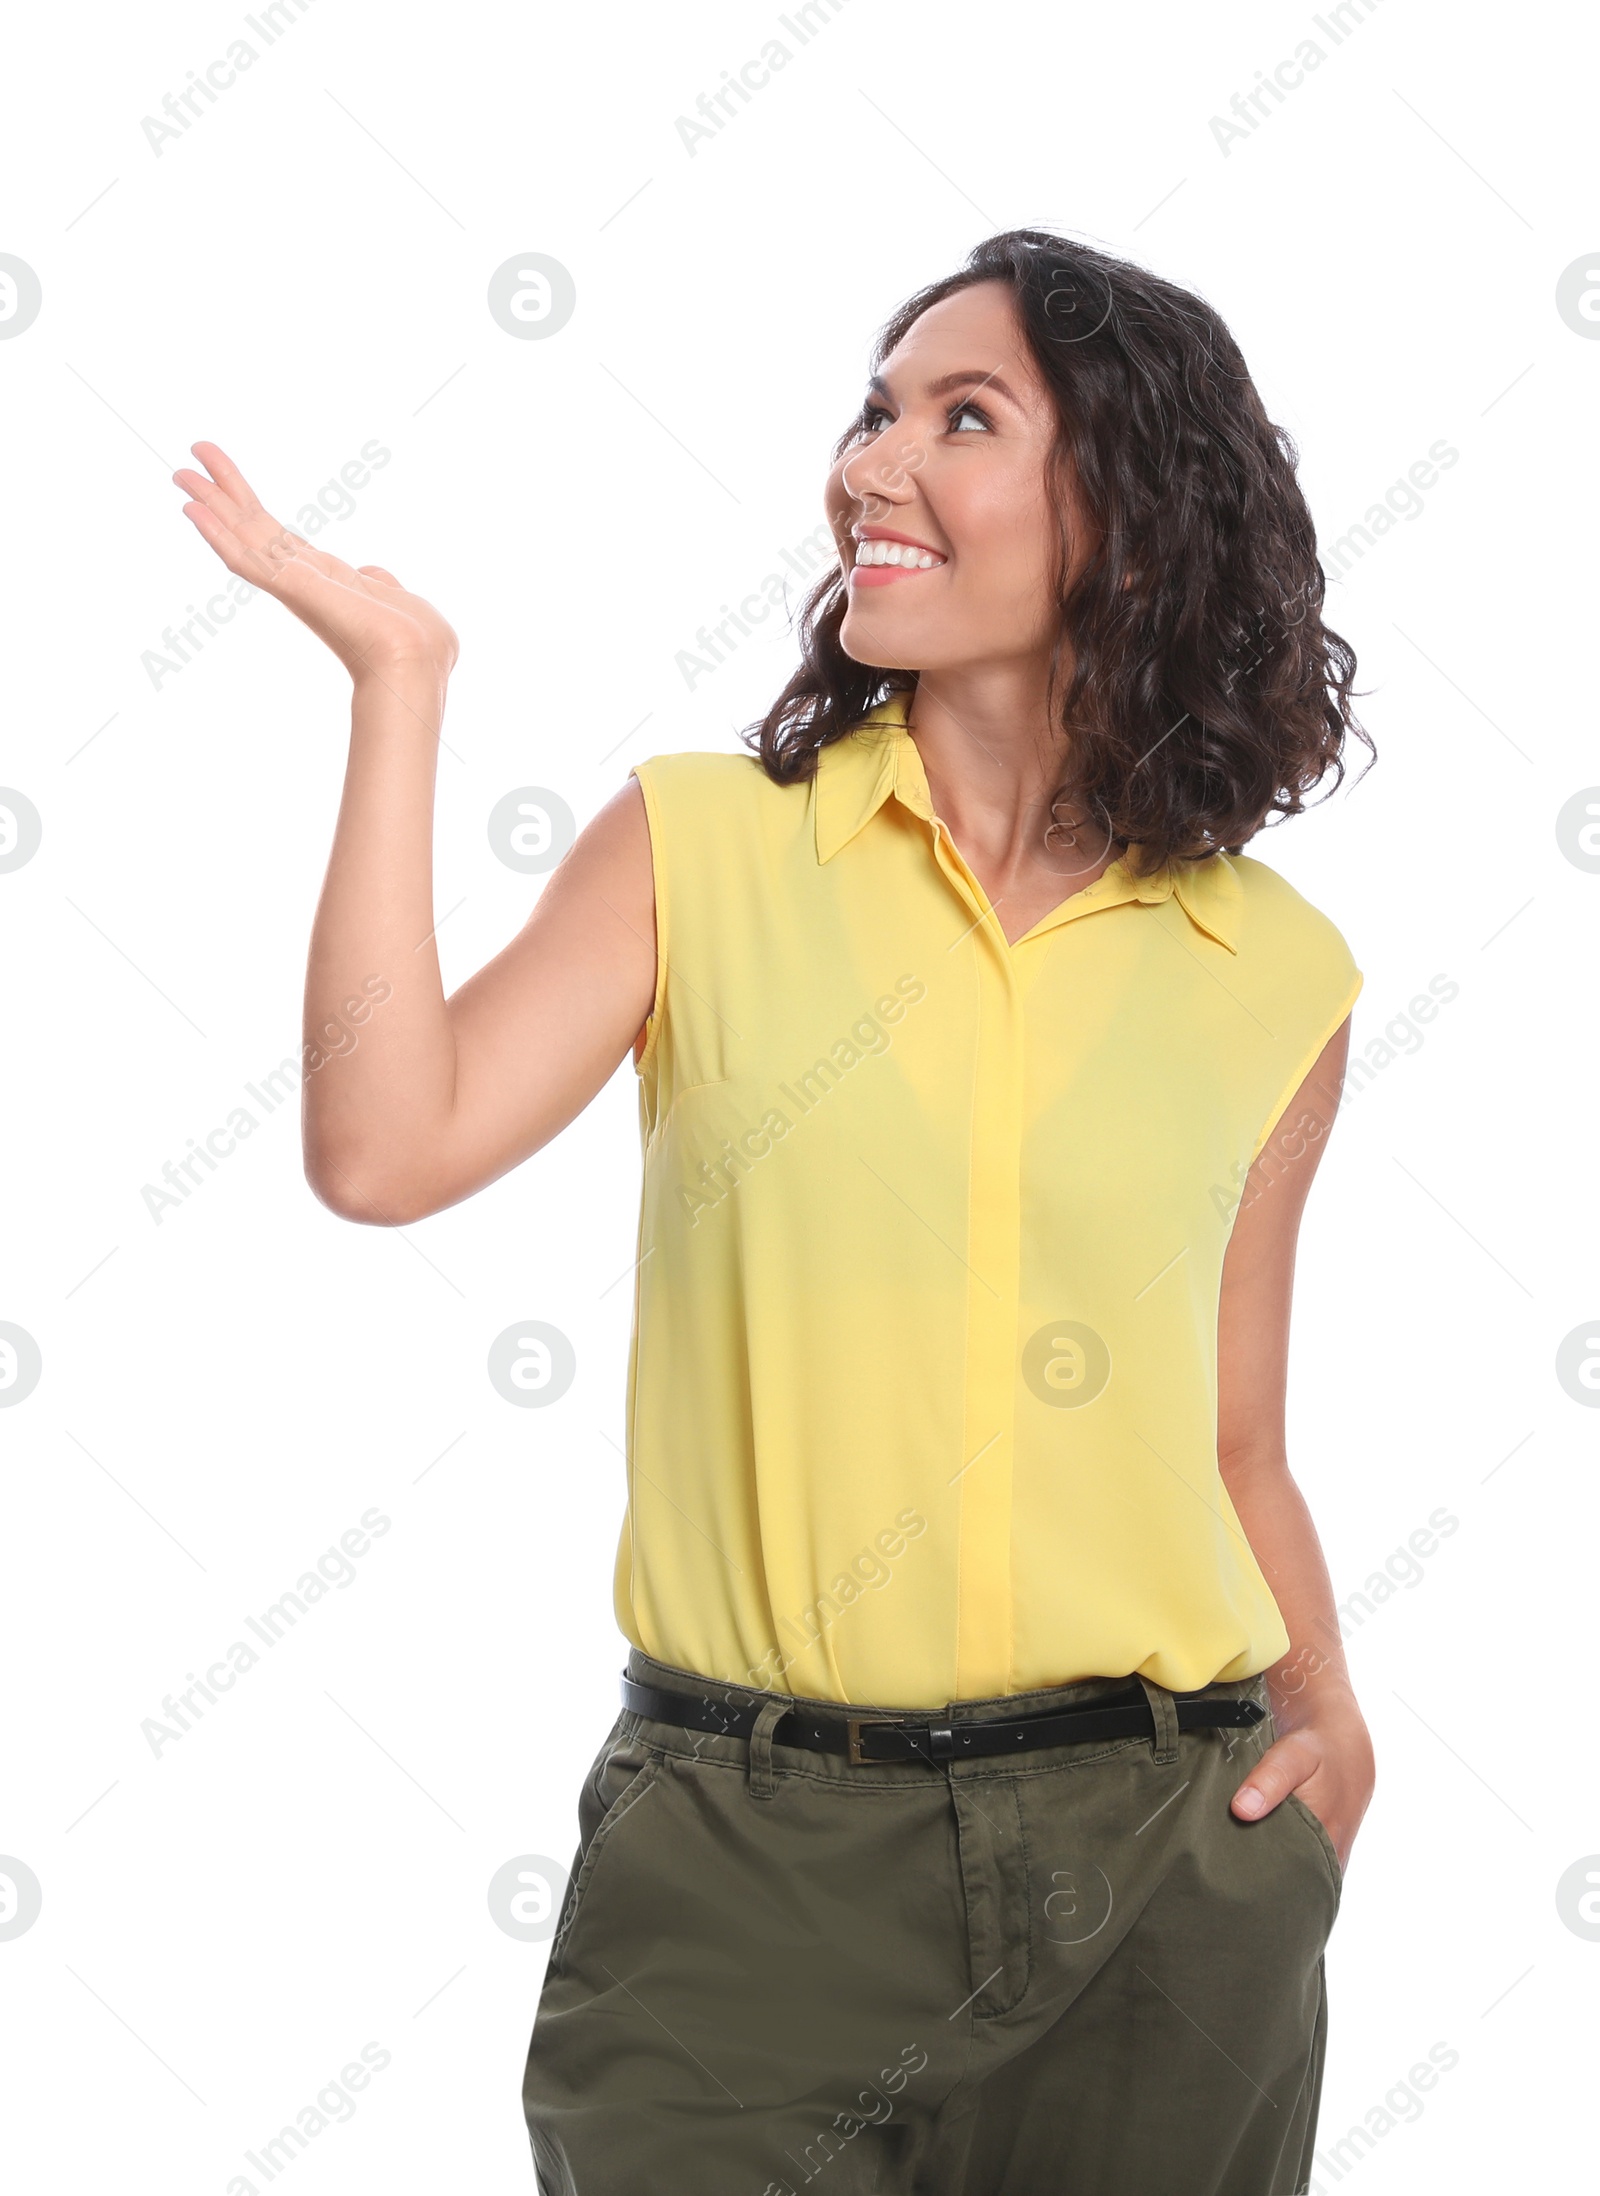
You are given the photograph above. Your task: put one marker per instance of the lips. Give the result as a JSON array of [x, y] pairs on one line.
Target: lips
[[882, 556]]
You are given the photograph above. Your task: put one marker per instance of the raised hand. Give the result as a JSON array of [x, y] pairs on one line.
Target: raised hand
[[361, 612]]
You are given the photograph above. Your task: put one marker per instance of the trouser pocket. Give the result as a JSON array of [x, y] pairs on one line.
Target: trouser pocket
[[621, 1775], [1297, 1809], [1319, 1831]]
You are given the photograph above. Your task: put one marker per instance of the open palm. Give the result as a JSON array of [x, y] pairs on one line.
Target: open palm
[[361, 612]]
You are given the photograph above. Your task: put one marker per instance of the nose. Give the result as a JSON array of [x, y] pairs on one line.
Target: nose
[[881, 476]]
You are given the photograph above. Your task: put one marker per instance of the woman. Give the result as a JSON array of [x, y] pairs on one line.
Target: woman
[[988, 1761]]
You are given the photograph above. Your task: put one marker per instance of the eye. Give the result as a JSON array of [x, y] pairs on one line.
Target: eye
[[968, 412], [873, 417]]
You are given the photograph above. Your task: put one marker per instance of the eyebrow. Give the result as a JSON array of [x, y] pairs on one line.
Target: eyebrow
[[964, 377]]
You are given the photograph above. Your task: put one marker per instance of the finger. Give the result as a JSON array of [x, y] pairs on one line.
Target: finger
[[1281, 1768], [376, 571], [227, 476], [256, 531], [312, 595], [263, 563], [270, 557], [202, 490], [235, 502], [220, 536]]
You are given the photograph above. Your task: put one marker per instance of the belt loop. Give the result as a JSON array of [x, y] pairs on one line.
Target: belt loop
[[1164, 1710], [763, 1783]]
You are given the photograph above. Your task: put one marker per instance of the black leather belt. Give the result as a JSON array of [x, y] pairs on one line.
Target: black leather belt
[[867, 1737]]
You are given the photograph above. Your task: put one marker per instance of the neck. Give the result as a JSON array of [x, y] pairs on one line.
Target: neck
[[992, 757]]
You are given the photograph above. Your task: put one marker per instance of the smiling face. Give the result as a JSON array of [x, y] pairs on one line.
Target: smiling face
[[941, 504]]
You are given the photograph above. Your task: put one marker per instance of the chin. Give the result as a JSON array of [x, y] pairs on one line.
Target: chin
[[875, 641]]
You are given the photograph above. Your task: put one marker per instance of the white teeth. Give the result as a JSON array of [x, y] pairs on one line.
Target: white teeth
[[896, 552]]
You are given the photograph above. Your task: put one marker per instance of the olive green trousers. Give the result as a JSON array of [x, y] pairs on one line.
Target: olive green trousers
[[1072, 1972]]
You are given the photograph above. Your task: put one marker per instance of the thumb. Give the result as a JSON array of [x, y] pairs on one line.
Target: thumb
[[376, 571], [1273, 1778]]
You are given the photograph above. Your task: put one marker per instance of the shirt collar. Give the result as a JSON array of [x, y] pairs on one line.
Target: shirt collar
[[858, 773]]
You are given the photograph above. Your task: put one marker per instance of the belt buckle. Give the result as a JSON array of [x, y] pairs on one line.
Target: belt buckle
[[853, 1728], [940, 1738]]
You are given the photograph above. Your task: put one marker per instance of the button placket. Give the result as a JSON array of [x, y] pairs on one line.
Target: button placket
[[993, 1258]]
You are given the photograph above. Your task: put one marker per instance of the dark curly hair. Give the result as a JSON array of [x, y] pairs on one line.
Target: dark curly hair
[[1206, 694]]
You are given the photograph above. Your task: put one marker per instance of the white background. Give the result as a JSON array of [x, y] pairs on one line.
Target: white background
[[226, 1924]]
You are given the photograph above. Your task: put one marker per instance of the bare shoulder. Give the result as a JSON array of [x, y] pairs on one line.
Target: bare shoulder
[[609, 860], [620, 828], [1287, 1162], [711, 787], [1258, 1270]]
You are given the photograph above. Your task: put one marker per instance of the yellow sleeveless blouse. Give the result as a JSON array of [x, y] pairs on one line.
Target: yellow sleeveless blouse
[[922, 1398]]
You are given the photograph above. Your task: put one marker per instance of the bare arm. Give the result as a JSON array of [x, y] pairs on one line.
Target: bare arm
[[1323, 1749], [436, 1097]]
